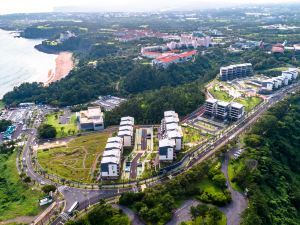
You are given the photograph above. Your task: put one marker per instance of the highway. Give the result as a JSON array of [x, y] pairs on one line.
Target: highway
[[87, 197]]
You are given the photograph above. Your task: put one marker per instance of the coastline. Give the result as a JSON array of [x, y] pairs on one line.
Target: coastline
[[64, 64]]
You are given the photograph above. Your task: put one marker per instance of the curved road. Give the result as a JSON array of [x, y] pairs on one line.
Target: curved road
[[232, 211]]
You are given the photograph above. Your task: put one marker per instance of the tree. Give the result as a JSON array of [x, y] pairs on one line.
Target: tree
[[46, 131], [48, 188], [27, 180], [4, 124]]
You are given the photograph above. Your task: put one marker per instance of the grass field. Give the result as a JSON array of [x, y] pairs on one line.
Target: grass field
[[233, 167], [220, 94], [191, 135], [63, 130], [16, 199], [77, 161], [207, 186], [249, 102]]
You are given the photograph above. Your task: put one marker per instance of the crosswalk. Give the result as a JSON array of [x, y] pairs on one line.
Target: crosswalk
[[65, 216]]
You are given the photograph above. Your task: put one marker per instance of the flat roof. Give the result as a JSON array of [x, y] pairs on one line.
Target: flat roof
[[114, 139], [171, 119], [211, 100], [221, 103], [110, 159], [166, 143], [113, 145], [126, 123], [125, 133], [170, 113], [172, 126], [126, 127], [236, 105], [113, 152], [127, 118]]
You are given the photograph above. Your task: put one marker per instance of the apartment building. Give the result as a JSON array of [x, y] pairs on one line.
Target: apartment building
[[236, 71], [210, 106], [236, 111], [224, 110], [91, 119]]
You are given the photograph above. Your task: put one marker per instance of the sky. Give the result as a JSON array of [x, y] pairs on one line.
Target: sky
[[26, 6]]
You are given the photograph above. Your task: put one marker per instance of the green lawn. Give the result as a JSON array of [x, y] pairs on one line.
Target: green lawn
[[280, 69], [16, 199], [249, 102], [191, 135], [76, 161], [207, 186], [233, 167], [63, 130], [220, 94]]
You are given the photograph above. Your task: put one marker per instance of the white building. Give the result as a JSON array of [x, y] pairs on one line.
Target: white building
[[110, 167], [91, 119], [170, 129], [126, 131], [235, 71], [166, 149]]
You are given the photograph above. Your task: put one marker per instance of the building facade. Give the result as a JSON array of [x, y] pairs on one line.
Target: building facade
[[91, 119], [236, 71]]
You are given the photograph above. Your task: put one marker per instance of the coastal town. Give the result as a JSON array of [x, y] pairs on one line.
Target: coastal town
[[144, 121]]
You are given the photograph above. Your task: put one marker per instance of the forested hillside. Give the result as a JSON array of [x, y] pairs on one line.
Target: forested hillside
[[270, 167]]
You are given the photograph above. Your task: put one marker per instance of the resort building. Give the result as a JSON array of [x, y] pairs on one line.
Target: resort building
[[126, 131], [111, 158], [236, 71], [110, 167], [91, 119], [170, 132], [165, 61], [286, 78], [166, 149]]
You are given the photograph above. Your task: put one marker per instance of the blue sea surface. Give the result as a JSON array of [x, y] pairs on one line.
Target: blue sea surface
[[20, 62]]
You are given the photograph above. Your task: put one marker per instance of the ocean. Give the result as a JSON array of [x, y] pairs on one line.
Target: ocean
[[20, 62]]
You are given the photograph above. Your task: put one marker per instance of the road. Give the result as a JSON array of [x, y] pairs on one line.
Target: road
[[91, 196], [133, 169], [239, 202]]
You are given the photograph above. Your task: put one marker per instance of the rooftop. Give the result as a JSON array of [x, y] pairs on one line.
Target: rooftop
[[110, 159], [166, 143], [237, 105]]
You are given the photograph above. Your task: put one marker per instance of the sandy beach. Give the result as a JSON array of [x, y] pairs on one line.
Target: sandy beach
[[64, 64]]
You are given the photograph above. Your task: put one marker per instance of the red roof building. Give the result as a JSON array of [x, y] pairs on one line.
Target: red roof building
[[164, 62]]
